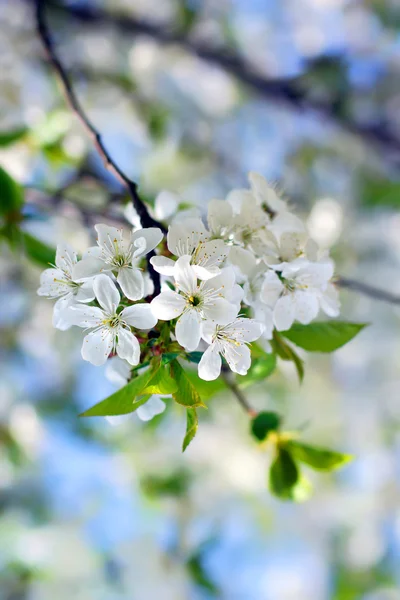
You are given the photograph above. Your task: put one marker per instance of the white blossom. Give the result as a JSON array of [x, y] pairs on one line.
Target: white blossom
[[229, 341], [266, 196], [165, 207], [190, 238], [111, 330], [299, 292], [60, 282], [194, 302], [113, 255]]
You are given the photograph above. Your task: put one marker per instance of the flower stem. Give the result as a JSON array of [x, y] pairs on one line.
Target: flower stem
[[240, 397]]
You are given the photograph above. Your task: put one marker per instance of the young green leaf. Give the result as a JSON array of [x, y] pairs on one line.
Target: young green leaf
[[161, 383], [324, 336], [191, 427], [9, 137], [36, 250], [12, 197], [317, 458], [194, 357], [126, 400], [186, 394], [261, 368], [206, 389], [264, 423], [284, 351], [283, 475]]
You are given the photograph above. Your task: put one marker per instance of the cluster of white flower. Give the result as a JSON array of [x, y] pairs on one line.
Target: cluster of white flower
[[254, 259]]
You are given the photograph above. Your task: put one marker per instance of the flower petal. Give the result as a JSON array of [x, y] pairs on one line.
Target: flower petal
[[128, 347], [106, 294], [220, 311], [329, 301], [53, 284], [140, 316], [184, 236], [85, 316], [154, 406], [97, 346], [208, 330], [85, 292], [264, 193], [306, 306], [245, 330], [152, 236], [88, 267], [219, 216], [238, 358], [168, 305], [187, 330], [117, 371], [61, 313], [185, 277], [110, 238], [271, 289], [131, 281], [210, 363], [165, 205], [163, 265], [65, 257], [284, 313]]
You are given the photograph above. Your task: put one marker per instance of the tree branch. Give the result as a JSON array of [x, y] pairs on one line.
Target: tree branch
[[145, 218], [367, 290], [289, 91], [240, 397]]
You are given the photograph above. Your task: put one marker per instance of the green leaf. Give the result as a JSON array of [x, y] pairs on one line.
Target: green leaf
[[264, 423], [378, 191], [126, 400], [194, 357], [161, 383], [261, 368], [326, 336], [283, 475], [302, 490], [284, 351], [167, 357], [36, 250], [206, 389], [317, 458], [11, 197], [192, 423], [9, 137], [186, 394]]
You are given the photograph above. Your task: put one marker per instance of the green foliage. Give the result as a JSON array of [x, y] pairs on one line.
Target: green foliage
[[325, 336], [36, 250], [128, 399], [263, 424], [194, 357], [283, 475], [206, 389], [9, 137], [185, 394], [377, 191], [286, 352], [198, 573], [261, 368], [11, 197], [191, 427], [170, 484], [317, 458]]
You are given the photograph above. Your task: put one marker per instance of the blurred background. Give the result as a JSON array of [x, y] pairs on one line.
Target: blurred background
[[190, 96]]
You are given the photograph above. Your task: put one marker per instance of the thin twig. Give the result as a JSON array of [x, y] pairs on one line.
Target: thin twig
[[367, 290], [291, 92], [145, 218], [240, 397]]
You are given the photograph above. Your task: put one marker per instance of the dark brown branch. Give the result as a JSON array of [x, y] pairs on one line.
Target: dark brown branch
[[145, 218], [237, 392], [367, 290], [288, 91]]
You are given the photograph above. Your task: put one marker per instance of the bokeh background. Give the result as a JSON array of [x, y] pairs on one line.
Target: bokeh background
[[189, 96]]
